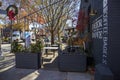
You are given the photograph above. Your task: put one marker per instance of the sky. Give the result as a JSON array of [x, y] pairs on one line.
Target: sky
[[35, 25], [6, 3], [71, 23]]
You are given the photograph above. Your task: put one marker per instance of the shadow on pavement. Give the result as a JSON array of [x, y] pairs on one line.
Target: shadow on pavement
[[51, 64], [7, 63], [15, 73]]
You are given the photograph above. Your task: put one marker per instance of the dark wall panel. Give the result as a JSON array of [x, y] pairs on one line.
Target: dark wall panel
[[108, 54], [97, 42], [114, 37]]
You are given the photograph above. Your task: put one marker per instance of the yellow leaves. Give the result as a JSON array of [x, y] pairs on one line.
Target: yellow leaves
[[38, 2], [0, 3], [1, 26], [79, 41], [18, 26], [32, 6]]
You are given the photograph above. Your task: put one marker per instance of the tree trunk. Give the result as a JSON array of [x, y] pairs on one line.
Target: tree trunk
[[52, 37], [59, 40], [59, 37]]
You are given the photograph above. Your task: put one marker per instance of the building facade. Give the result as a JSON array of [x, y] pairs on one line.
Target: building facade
[[105, 34]]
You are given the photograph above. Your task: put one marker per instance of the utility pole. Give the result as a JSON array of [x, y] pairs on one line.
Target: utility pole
[[11, 33], [1, 55], [1, 12]]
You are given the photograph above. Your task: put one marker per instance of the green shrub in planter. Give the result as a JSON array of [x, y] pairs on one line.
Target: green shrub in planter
[[29, 58], [33, 48], [16, 47], [36, 47]]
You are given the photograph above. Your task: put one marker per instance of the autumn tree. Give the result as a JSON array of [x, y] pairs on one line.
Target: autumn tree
[[56, 13]]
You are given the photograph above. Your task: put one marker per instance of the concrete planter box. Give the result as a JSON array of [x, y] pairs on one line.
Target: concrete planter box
[[72, 62], [28, 60]]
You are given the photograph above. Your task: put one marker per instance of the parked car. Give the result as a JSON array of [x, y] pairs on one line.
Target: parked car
[[26, 33], [32, 36], [16, 36], [46, 40]]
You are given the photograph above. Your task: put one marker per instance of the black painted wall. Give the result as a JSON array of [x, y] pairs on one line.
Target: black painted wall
[[97, 43], [113, 43], [114, 37]]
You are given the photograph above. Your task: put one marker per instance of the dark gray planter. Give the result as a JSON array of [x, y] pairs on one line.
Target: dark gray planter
[[28, 60], [72, 62]]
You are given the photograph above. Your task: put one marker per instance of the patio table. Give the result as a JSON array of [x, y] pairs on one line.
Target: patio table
[[47, 44], [52, 49]]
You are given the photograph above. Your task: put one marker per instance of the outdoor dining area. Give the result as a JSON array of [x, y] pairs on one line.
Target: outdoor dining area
[[70, 56], [64, 56], [62, 36]]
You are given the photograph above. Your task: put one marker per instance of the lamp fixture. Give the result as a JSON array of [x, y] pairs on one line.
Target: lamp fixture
[[0, 3], [92, 12]]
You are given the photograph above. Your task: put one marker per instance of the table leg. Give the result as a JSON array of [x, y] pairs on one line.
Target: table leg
[[46, 53]]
